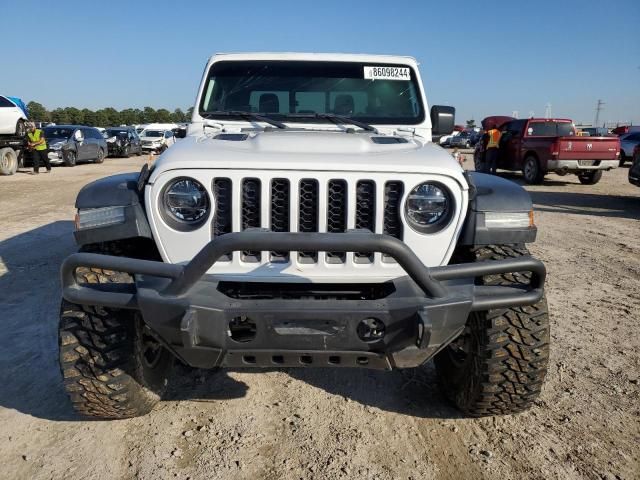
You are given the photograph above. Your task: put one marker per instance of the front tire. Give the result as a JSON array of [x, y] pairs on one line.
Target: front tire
[[100, 157], [498, 364], [590, 178], [126, 153], [623, 158], [111, 364], [21, 129], [532, 172], [69, 158]]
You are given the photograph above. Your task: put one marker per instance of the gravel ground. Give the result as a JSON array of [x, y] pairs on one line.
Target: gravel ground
[[328, 424]]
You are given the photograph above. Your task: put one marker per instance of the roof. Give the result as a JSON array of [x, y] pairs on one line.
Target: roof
[[318, 57]]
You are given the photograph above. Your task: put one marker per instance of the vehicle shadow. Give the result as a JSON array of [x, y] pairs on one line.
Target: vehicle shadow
[[30, 303], [592, 204]]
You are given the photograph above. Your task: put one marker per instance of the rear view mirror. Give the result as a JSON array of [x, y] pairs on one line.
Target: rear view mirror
[[442, 119]]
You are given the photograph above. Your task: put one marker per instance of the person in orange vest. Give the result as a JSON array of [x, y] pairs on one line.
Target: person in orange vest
[[491, 150], [37, 146]]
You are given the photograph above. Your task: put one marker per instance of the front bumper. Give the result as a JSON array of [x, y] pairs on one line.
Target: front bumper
[[198, 317], [580, 165]]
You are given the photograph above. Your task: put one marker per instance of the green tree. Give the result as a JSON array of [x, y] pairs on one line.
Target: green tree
[[178, 116], [128, 116], [89, 117], [149, 115], [189, 113], [59, 116], [38, 113], [75, 116], [471, 123], [163, 115], [101, 119]]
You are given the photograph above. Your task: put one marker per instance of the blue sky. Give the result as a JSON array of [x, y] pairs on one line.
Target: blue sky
[[481, 57]]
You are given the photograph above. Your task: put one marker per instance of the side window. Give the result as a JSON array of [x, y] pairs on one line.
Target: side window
[[5, 103], [168, 134]]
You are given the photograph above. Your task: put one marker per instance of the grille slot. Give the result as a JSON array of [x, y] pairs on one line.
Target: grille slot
[[280, 207], [392, 225], [336, 214], [222, 225], [365, 213], [251, 213], [308, 214]]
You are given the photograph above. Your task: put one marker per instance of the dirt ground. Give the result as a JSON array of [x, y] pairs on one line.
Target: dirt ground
[[329, 424]]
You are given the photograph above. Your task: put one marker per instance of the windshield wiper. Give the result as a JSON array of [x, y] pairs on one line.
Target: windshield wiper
[[245, 115], [337, 119]]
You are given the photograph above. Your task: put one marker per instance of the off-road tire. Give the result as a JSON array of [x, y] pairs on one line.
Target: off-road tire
[[590, 178], [108, 369], [531, 171], [498, 364], [8, 161]]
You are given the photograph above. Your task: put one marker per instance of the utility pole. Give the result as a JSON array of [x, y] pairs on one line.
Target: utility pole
[[547, 111], [598, 110]]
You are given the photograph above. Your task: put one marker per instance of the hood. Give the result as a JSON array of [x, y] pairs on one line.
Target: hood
[[311, 151]]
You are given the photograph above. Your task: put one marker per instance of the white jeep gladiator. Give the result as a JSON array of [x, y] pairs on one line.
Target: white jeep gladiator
[[306, 220]]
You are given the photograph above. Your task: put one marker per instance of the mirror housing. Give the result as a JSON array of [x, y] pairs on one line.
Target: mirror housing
[[442, 119]]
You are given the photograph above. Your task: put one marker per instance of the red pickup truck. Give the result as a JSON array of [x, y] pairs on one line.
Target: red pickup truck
[[537, 146]]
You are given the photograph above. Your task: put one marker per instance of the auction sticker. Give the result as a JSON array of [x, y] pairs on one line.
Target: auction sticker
[[387, 73]]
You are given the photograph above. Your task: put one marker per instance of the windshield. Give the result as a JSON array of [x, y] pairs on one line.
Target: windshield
[[113, 132], [368, 92], [152, 133], [56, 132], [551, 129]]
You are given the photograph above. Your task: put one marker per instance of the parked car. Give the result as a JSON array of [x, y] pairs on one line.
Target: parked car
[[625, 129], [466, 139], [445, 140], [12, 118], [594, 131], [634, 170], [157, 140], [540, 145], [123, 141], [70, 144], [289, 245], [628, 142]]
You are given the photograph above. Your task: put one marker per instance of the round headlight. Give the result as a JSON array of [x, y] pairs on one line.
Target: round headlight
[[429, 207], [185, 203]]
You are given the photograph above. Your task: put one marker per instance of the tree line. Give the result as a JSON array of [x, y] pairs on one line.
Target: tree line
[[106, 116]]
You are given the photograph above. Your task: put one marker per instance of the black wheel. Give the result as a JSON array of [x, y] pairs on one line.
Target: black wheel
[[100, 157], [531, 171], [69, 158], [590, 177], [21, 129], [112, 366], [498, 364], [623, 157], [8, 161], [126, 152]]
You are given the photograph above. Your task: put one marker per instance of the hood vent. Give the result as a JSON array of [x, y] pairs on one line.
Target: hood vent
[[388, 140], [232, 137]]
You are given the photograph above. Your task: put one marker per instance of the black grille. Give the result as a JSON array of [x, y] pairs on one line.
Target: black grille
[[251, 212], [222, 217], [392, 222], [336, 214], [365, 212], [280, 194], [308, 214]]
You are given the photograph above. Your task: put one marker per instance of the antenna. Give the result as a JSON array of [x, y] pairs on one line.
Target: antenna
[[598, 110], [547, 111]]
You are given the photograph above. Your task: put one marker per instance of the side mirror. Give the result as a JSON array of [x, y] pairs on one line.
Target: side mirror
[[78, 136], [442, 119]]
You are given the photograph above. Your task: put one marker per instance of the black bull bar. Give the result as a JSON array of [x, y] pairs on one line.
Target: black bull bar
[[184, 277]]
